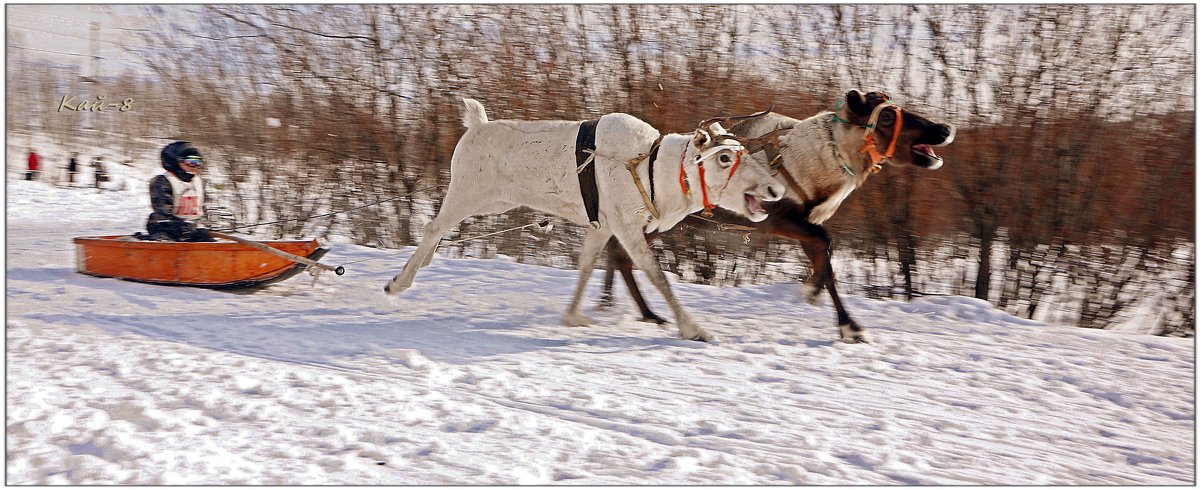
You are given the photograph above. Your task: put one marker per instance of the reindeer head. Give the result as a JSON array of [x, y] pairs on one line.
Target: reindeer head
[[918, 135], [729, 178]]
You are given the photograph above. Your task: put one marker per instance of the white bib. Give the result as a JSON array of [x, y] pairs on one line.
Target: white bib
[[188, 196]]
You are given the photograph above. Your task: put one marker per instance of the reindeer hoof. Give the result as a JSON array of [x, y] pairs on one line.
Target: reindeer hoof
[[576, 320], [652, 318], [605, 303], [396, 287], [810, 294], [695, 333], [853, 334]]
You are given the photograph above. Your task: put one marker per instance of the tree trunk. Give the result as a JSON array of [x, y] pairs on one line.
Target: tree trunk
[[983, 278]]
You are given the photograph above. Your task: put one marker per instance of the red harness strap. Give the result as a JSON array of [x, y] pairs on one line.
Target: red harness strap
[[709, 206], [683, 184]]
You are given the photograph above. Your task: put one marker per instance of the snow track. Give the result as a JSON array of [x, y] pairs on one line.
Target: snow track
[[468, 378]]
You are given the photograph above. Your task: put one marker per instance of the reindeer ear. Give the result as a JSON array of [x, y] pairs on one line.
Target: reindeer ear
[[857, 102], [700, 139]]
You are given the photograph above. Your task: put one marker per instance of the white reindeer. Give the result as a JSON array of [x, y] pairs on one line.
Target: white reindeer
[[501, 165]]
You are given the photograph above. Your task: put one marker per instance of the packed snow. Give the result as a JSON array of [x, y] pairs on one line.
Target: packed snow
[[469, 378]]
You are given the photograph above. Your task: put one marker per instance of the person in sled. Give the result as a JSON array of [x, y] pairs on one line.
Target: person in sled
[[177, 197]]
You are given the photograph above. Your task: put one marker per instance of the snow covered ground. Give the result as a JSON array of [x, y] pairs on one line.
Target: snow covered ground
[[468, 378]]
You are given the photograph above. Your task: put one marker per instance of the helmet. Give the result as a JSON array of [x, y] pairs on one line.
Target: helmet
[[174, 153]]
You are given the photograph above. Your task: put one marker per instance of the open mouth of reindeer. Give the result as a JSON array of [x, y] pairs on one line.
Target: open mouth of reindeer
[[754, 205], [924, 156], [922, 148], [926, 151]]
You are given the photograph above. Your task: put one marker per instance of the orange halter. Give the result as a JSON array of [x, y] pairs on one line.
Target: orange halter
[[869, 137]]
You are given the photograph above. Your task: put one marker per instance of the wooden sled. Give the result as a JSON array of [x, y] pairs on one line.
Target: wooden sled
[[221, 264]]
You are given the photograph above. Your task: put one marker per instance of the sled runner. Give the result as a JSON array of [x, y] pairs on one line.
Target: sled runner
[[223, 264]]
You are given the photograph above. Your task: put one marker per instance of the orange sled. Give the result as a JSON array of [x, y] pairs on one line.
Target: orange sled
[[204, 264]]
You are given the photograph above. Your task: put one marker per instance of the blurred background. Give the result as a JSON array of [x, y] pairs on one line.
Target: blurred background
[[1067, 196]]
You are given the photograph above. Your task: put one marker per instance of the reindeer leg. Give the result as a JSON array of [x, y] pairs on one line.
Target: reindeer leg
[[816, 243], [847, 327], [620, 259], [647, 315], [424, 253], [606, 300], [455, 209], [593, 244], [819, 251], [639, 251]]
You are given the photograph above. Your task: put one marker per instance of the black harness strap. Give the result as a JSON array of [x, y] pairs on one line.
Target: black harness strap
[[585, 147], [650, 169]]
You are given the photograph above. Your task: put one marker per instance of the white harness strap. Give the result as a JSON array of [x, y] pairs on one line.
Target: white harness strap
[[875, 115], [734, 147]]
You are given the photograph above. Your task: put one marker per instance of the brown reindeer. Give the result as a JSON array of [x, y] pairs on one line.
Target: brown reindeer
[[823, 159]]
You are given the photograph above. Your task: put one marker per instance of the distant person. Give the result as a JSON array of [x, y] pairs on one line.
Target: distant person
[[72, 167], [100, 175], [177, 197], [34, 165]]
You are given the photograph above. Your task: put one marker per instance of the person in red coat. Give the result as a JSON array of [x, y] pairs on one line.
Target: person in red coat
[[34, 166]]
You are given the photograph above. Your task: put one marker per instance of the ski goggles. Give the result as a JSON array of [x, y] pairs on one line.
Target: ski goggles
[[194, 161]]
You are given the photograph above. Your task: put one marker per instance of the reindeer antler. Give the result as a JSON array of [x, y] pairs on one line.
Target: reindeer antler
[[704, 125], [724, 119]]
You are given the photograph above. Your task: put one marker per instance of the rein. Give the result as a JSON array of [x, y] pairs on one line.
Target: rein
[[746, 231], [770, 144], [632, 165]]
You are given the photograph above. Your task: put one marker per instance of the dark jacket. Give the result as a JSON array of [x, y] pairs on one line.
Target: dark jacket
[[163, 224]]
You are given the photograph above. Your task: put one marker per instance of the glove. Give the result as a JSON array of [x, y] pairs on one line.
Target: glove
[[197, 234]]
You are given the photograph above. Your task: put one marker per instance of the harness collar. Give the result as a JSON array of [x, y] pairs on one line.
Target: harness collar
[[653, 157]]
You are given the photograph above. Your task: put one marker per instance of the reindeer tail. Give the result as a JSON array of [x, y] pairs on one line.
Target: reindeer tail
[[475, 114]]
